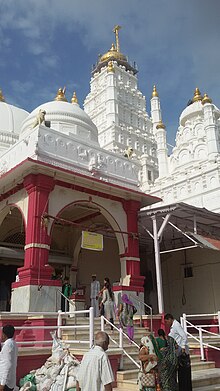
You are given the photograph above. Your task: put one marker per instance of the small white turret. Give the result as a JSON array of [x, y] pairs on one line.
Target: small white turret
[[160, 135], [210, 127], [155, 108]]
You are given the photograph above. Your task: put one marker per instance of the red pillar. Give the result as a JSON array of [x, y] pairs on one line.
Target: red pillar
[[36, 270], [131, 208]]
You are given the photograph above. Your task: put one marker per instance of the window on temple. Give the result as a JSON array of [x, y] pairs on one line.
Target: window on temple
[[188, 271]]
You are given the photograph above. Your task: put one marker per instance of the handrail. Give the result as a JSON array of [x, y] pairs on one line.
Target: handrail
[[66, 298], [148, 306], [120, 344], [201, 315], [201, 328], [187, 324], [90, 325]]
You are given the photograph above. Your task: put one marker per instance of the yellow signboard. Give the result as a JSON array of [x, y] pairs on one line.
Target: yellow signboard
[[92, 241]]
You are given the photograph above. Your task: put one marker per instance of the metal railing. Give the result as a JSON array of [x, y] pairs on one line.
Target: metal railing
[[200, 329], [58, 292], [89, 326], [120, 344], [59, 327], [141, 304]]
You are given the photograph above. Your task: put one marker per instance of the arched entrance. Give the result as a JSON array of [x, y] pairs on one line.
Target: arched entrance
[[79, 263], [12, 241]]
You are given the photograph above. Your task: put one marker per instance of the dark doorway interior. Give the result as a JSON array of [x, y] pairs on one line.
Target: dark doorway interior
[[8, 274]]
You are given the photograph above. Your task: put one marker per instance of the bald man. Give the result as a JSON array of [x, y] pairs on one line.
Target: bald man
[[95, 369]]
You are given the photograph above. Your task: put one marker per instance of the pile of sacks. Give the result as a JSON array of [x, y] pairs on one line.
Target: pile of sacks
[[57, 374]]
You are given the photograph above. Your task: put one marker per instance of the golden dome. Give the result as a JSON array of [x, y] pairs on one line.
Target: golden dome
[[61, 95], [113, 53], [160, 125], [74, 98], [206, 99], [110, 67], [197, 96], [154, 93], [2, 98]]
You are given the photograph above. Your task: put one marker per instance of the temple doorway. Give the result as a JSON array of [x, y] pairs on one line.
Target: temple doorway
[[82, 263]]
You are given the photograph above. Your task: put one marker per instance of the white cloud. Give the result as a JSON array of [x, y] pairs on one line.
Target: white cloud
[[175, 43]]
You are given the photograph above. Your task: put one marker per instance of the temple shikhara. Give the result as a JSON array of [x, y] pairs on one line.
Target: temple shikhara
[[105, 169]]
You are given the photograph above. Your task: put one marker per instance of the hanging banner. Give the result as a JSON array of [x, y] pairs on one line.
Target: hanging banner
[[92, 241]]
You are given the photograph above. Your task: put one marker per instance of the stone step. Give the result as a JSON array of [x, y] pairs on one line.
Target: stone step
[[206, 388], [204, 380], [202, 365], [206, 377], [68, 334], [129, 372], [197, 366], [129, 385]]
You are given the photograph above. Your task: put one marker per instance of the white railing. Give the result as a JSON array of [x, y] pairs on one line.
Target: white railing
[[59, 327], [120, 344], [141, 304], [66, 300], [200, 329], [89, 326]]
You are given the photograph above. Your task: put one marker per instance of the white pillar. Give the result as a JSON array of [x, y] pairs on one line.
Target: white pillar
[[158, 267], [210, 129], [155, 109], [91, 327], [162, 155]]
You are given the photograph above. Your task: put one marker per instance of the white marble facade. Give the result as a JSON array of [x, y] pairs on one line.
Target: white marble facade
[[117, 107], [95, 140]]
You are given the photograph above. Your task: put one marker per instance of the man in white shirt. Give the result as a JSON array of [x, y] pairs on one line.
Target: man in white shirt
[[8, 359], [95, 372], [184, 367], [94, 295]]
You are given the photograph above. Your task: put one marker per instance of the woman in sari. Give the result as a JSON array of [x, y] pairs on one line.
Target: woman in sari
[[167, 366], [148, 359], [108, 302], [126, 313], [161, 339]]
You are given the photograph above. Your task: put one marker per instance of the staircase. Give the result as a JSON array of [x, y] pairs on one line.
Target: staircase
[[205, 376]]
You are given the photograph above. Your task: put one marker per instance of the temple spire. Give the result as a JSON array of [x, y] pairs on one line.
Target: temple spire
[[2, 98], [116, 30], [74, 98], [197, 95], [154, 93], [61, 95]]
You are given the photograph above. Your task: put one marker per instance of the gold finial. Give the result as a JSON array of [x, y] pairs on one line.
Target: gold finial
[[154, 93], [197, 96], [206, 99], [116, 30], [74, 98], [110, 67], [2, 98], [61, 95], [160, 125], [113, 48]]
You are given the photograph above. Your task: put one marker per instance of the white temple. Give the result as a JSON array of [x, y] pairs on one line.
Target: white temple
[[118, 108], [98, 166]]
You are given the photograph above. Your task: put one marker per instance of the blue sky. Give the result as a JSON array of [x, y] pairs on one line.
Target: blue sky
[[45, 44]]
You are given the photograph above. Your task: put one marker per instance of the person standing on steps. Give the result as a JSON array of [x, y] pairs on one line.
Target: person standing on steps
[[95, 372], [184, 365], [8, 359], [108, 302], [67, 292], [94, 295], [126, 314], [106, 280]]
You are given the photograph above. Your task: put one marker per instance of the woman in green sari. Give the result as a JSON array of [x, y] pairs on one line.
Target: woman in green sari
[[167, 366], [161, 339]]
